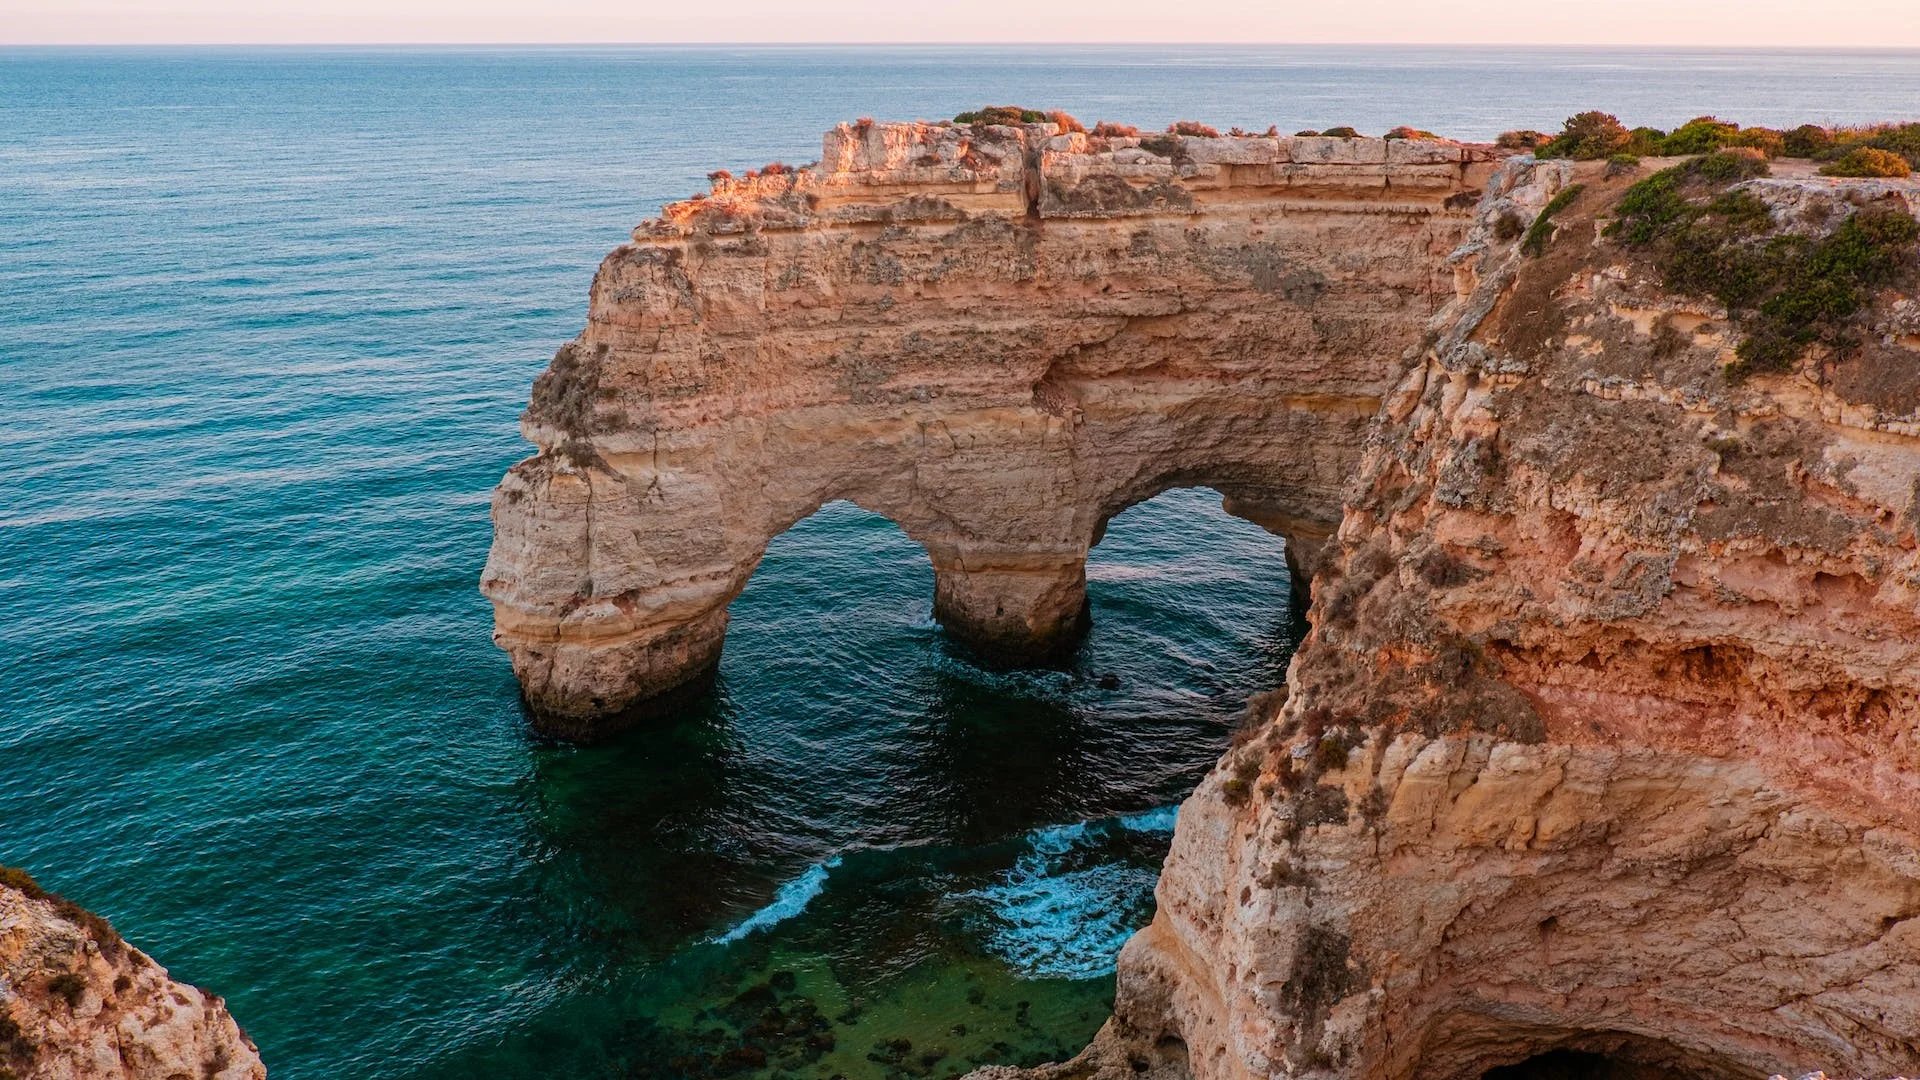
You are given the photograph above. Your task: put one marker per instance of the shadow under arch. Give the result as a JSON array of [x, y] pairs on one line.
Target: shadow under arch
[[846, 737], [730, 779]]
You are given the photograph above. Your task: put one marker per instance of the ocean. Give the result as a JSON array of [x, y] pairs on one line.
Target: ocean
[[269, 318]]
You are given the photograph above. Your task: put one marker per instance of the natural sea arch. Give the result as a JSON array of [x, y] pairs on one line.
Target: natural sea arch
[[999, 353]]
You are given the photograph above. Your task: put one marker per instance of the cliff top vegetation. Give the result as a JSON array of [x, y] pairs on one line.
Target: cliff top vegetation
[[1787, 291], [1595, 136]]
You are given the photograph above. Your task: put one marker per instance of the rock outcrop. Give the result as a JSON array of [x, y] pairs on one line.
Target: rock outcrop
[[1606, 736], [77, 1002], [998, 337]]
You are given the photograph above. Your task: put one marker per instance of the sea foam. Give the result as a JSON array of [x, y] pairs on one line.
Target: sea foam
[[789, 900], [1052, 916]]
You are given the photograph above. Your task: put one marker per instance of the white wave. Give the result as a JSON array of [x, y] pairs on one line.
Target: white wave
[[1158, 820], [788, 900], [1058, 839], [1065, 926], [1049, 922]]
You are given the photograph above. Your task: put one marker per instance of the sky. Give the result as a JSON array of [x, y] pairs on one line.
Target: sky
[[1796, 23]]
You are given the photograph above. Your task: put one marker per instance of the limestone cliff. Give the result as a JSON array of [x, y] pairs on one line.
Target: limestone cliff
[[998, 337], [77, 1002], [1606, 736]]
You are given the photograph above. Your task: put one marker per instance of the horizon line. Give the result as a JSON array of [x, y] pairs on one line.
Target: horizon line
[[827, 44]]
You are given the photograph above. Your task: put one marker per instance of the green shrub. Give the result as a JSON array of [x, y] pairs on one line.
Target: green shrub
[[1769, 142], [69, 987], [1645, 142], [1805, 141], [1238, 788], [1902, 139], [1650, 206], [1330, 753], [1588, 136], [1785, 292], [1541, 231], [1307, 134], [1405, 132], [1729, 166], [15, 1045], [1869, 161], [1698, 136], [98, 928], [1622, 163], [1166, 146], [1341, 132], [1521, 140], [1010, 115]]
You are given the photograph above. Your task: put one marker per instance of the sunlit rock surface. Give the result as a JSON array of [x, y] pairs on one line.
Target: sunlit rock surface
[[1606, 738], [79, 1003], [998, 337]]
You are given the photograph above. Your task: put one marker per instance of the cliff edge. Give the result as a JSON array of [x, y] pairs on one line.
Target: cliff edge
[[1605, 740], [77, 1002], [998, 337]]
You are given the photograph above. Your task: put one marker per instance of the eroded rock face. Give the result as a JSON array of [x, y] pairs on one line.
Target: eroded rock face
[[997, 337], [1606, 738], [79, 1003], [1607, 733]]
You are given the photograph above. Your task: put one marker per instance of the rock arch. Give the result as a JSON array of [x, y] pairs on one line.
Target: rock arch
[[997, 337]]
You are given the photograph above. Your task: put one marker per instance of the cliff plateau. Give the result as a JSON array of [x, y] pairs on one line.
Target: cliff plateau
[[1606, 736]]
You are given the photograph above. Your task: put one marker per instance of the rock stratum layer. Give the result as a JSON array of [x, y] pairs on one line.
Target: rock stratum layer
[[1606, 735], [77, 1002]]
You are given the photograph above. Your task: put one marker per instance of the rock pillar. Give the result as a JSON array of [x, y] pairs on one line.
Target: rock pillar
[[583, 690], [1012, 607]]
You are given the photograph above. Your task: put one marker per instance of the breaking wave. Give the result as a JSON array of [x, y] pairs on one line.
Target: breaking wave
[[1061, 911], [1066, 907], [788, 901]]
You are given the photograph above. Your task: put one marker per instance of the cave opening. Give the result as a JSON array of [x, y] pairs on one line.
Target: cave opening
[[1584, 1065]]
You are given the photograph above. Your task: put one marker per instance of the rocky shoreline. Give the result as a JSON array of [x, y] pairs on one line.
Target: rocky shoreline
[[77, 1002], [1603, 740]]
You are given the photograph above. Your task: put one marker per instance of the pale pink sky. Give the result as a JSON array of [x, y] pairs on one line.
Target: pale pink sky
[[1685, 22]]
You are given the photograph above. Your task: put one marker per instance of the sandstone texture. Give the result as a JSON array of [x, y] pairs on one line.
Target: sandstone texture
[[1606, 735], [997, 337], [77, 1002]]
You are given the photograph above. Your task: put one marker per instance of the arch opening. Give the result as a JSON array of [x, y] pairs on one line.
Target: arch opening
[[1566, 1064], [858, 804]]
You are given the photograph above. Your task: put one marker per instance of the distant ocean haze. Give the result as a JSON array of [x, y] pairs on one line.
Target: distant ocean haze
[[270, 318]]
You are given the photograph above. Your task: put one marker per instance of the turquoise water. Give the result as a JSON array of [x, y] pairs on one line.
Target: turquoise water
[[268, 319]]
